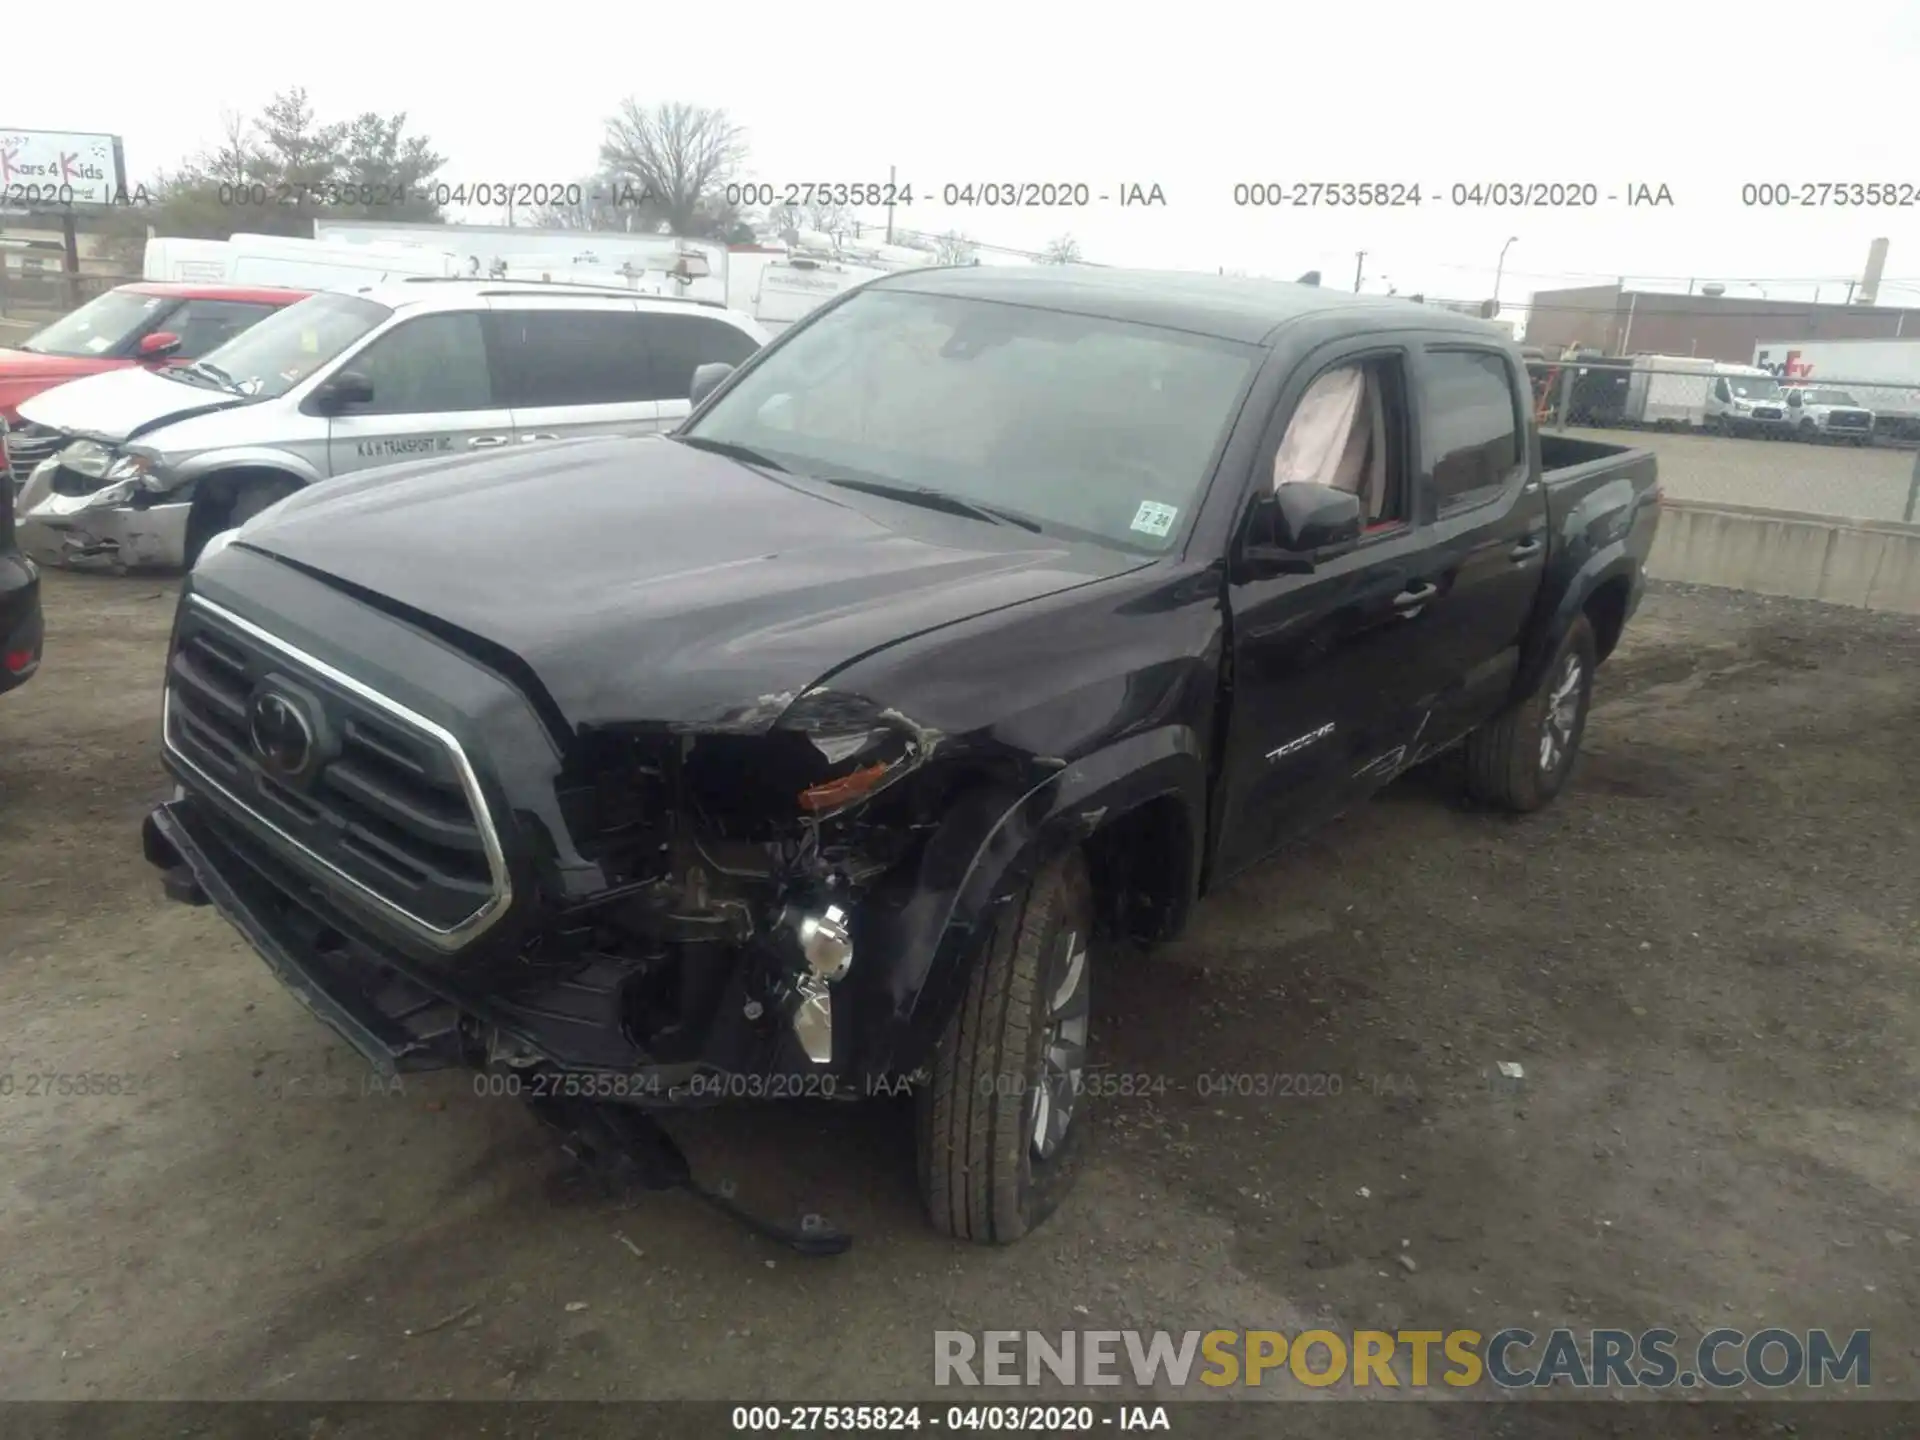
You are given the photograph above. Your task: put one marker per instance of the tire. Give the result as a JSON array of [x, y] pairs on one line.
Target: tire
[[248, 500], [1507, 759], [985, 1176]]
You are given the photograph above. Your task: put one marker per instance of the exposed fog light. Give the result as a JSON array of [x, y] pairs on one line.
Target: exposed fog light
[[825, 940]]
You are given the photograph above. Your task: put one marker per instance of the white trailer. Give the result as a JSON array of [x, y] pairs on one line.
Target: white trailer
[[1881, 375], [1657, 395], [288, 260]]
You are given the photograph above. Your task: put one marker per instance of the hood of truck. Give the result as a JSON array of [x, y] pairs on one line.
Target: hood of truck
[[123, 404], [644, 582]]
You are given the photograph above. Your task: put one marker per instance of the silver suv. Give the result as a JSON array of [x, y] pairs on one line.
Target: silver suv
[[154, 463]]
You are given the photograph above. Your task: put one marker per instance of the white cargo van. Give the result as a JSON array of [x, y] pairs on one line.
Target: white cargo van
[[1746, 400]]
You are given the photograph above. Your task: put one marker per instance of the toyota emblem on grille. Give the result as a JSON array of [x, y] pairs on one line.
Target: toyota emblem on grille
[[283, 737]]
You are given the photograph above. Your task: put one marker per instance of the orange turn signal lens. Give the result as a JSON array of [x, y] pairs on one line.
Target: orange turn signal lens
[[832, 794]]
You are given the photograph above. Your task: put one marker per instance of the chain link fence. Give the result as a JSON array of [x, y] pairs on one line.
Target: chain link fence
[[1731, 434]]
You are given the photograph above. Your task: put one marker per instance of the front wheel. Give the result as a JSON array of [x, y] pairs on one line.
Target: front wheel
[[1519, 759], [1002, 1119], [217, 511]]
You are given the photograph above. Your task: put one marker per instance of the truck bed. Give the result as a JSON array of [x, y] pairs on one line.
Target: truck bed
[[1564, 458]]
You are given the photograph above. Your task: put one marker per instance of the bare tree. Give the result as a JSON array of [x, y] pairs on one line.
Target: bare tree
[[1063, 251], [953, 248], [606, 203], [231, 161], [683, 157], [787, 221]]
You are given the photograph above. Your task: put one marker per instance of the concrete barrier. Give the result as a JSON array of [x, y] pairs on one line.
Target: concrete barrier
[[1870, 564]]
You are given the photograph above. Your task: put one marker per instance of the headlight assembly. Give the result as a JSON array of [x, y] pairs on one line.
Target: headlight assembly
[[865, 747]]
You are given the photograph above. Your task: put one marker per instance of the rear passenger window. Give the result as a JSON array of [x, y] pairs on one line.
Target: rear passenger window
[[681, 344], [571, 357], [427, 366], [1473, 426]]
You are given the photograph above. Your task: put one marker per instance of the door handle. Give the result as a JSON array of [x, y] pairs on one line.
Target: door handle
[[486, 442], [529, 439], [1526, 549], [1415, 596]]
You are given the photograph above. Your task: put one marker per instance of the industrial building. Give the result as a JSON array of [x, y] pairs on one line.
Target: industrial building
[[1712, 324], [1617, 321]]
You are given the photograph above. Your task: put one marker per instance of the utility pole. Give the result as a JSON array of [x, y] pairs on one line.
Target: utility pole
[[1359, 269], [890, 178]]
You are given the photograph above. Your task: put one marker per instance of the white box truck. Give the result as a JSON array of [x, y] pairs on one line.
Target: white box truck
[[1880, 375]]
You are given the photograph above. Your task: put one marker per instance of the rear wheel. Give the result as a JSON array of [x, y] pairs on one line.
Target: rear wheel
[[1003, 1118], [1519, 760]]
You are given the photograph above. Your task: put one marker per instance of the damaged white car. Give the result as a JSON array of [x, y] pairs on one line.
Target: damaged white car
[[150, 465]]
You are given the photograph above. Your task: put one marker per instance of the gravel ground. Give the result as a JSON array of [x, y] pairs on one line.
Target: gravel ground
[[1702, 956]]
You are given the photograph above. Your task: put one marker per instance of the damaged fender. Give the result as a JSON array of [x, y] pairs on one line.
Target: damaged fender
[[928, 924]]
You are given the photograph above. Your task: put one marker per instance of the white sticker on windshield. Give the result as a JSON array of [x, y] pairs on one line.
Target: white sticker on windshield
[[97, 343], [1153, 518]]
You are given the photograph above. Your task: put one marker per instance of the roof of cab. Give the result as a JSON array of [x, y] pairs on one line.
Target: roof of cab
[[1226, 307]]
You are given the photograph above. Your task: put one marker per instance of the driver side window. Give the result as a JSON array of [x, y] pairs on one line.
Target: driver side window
[[430, 365], [1345, 433]]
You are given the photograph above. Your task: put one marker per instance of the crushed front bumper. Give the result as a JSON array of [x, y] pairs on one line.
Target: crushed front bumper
[[63, 529], [403, 1016], [397, 1024]]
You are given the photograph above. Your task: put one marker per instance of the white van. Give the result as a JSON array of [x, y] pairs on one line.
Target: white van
[[1746, 400], [146, 466], [285, 260]]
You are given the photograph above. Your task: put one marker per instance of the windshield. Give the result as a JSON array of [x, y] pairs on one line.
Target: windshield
[[101, 326], [1754, 387], [1096, 429], [1828, 397], [270, 358]]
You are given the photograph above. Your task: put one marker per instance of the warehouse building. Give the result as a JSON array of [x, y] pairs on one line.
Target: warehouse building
[[1618, 321]]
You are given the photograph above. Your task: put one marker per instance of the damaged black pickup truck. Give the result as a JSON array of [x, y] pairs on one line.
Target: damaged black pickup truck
[[802, 751]]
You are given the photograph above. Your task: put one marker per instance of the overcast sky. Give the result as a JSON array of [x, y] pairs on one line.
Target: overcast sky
[[1192, 97]]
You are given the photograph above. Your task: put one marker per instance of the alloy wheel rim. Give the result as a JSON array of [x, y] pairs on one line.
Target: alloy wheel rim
[[1063, 1053], [1563, 714]]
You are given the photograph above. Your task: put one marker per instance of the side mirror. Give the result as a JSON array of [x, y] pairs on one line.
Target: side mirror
[[1296, 527], [159, 345], [706, 379], [349, 387]]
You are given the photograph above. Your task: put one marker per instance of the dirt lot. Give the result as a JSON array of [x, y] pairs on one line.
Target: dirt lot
[[1703, 957]]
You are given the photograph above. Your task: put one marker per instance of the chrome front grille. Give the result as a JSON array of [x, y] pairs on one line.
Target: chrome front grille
[[28, 444], [1849, 420], [389, 813]]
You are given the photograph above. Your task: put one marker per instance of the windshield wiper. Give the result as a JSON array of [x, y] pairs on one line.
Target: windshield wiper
[[215, 373], [934, 499], [746, 454]]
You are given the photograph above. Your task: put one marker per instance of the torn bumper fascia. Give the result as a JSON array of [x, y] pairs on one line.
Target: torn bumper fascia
[[105, 525]]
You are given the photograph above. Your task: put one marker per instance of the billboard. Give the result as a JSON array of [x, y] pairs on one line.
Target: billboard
[[60, 167]]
